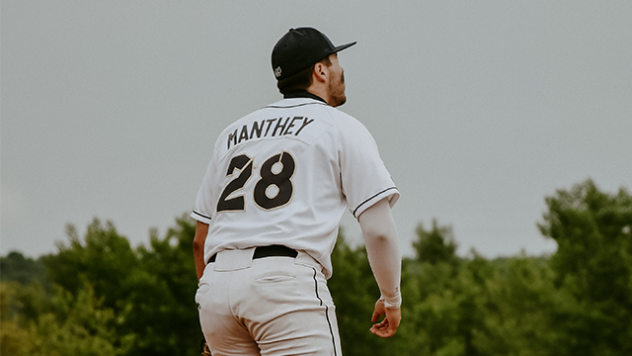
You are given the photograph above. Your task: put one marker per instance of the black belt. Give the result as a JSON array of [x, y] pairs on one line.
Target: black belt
[[268, 251]]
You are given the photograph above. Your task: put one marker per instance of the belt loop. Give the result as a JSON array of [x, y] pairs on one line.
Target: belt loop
[[306, 259]]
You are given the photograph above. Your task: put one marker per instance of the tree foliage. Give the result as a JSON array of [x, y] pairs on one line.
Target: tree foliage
[[436, 245], [354, 295], [101, 296], [142, 297], [24, 270], [593, 266]]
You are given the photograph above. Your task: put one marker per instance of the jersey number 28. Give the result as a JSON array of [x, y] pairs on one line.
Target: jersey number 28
[[274, 188]]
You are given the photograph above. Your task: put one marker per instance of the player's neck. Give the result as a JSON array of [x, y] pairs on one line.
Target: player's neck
[[320, 90]]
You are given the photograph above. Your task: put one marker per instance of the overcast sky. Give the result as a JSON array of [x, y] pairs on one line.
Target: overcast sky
[[480, 109]]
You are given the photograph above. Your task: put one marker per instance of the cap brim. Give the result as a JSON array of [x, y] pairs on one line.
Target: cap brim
[[340, 48]]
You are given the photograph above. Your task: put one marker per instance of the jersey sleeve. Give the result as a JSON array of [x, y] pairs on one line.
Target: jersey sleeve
[[365, 179], [204, 206]]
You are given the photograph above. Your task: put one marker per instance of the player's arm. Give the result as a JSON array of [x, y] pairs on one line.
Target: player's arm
[[380, 236], [201, 229]]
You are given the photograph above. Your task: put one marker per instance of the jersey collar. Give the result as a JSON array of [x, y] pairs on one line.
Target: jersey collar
[[303, 94]]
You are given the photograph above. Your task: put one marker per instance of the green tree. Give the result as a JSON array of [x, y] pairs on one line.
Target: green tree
[[24, 270], [63, 324], [437, 311], [150, 289], [163, 299], [104, 259], [355, 292], [110, 298], [435, 245], [593, 265], [515, 307]]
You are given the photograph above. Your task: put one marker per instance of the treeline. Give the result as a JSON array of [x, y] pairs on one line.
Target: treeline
[[99, 296]]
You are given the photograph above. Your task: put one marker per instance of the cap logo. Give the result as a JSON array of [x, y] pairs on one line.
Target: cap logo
[[277, 71]]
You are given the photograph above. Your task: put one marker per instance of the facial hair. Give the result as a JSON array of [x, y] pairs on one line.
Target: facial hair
[[337, 95]]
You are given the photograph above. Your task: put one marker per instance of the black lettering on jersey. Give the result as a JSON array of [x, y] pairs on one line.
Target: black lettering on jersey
[[306, 121], [284, 126], [233, 137], [281, 126], [243, 135], [256, 127], [240, 169], [282, 180], [287, 131], [269, 121]]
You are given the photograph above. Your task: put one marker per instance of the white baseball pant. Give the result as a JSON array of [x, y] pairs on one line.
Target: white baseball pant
[[267, 306]]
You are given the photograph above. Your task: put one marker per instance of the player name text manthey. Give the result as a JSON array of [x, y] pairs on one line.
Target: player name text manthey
[[268, 128]]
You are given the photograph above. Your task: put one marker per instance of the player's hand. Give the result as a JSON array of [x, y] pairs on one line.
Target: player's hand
[[388, 326]]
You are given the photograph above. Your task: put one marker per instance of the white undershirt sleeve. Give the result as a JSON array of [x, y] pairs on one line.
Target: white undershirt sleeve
[[382, 245]]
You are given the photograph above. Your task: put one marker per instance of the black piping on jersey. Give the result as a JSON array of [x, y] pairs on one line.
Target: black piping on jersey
[[331, 330], [300, 94], [202, 215], [293, 106], [366, 201]]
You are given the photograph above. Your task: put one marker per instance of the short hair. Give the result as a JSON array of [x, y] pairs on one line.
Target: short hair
[[301, 80]]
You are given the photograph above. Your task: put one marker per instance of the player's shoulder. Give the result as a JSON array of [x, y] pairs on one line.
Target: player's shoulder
[[344, 122]]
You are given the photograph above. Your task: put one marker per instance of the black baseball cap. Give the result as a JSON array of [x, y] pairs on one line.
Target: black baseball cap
[[299, 48]]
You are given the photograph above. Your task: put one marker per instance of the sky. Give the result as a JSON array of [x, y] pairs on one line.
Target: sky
[[480, 109]]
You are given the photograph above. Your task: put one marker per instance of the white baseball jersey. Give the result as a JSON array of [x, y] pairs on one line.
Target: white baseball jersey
[[284, 175]]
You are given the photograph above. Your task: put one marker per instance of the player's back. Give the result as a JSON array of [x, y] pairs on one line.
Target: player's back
[[285, 175], [277, 179]]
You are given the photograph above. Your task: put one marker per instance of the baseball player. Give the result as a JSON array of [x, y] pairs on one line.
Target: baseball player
[[269, 207]]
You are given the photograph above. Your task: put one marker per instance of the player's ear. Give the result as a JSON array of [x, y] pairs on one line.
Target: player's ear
[[320, 72]]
